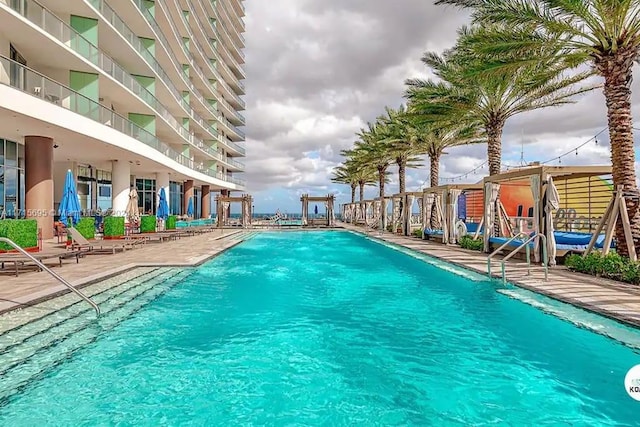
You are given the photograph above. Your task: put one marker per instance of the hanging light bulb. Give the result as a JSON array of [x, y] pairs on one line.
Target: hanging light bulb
[[576, 151], [596, 141], [560, 160]]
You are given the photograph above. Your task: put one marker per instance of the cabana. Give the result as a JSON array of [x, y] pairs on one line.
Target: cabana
[[328, 201], [222, 210], [403, 211], [451, 211], [564, 203]]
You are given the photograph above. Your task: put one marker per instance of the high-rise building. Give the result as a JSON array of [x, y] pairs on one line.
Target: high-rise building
[[126, 94]]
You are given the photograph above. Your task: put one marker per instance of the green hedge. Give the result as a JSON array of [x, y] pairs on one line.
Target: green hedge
[[417, 233], [87, 227], [171, 223], [612, 266], [113, 226], [148, 224], [468, 242], [24, 232]]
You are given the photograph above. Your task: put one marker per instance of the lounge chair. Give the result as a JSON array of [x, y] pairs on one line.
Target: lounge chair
[[97, 247], [20, 260], [567, 242]]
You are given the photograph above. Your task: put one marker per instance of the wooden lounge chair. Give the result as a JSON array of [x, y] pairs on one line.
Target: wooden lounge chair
[[97, 247], [20, 260]]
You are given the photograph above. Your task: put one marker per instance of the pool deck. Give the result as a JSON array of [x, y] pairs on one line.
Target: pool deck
[[34, 286], [612, 299]]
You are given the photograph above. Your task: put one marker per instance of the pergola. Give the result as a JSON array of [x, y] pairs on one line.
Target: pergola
[[328, 201], [568, 190], [440, 208], [222, 209]]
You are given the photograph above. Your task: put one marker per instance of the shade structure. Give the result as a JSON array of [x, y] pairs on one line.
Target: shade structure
[[133, 212], [163, 207], [69, 208], [190, 207]]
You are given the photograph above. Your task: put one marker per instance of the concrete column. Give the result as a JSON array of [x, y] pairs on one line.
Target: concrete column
[[162, 181], [121, 186], [188, 193], [206, 201], [38, 164]]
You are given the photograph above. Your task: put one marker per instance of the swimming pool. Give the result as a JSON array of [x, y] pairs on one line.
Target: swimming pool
[[329, 328]]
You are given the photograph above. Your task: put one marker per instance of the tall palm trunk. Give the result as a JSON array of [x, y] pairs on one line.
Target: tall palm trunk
[[382, 170], [434, 169], [361, 184], [353, 192], [402, 170], [494, 145], [381, 178], [617, 91], [494, 156], [434, 177]]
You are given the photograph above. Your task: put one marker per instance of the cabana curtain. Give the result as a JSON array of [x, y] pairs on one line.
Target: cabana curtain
[[453, 214], [535, 192], [552, 204], [491, 192]]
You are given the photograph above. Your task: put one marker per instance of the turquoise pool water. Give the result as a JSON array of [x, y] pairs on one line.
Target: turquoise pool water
[[327, 328]]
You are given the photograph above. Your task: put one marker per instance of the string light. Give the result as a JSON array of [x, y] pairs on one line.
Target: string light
[[507, 167]]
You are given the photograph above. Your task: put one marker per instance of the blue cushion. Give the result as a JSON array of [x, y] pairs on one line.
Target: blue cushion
[[430, 232], [499, 241]]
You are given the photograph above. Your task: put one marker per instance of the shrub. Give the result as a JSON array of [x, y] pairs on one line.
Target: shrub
[[148, 224], [113, 226], [87, 227], [468, 242], [417, 233], [389, 227], [24, 232], [611, 266], [171, 223]]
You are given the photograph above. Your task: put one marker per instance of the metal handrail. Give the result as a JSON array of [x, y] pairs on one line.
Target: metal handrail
[[501, 248], [48, 270], [545, 261]]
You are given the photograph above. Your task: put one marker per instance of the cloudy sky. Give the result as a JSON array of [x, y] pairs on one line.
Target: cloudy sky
[[317, 71]]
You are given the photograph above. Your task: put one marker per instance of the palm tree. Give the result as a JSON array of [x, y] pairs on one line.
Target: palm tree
[[441, 136], [371, 149], [602, 34], [395, 132], [468, 97], [344, 175]]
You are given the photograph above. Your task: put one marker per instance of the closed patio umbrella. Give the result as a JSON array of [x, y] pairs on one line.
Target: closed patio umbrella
[[190, 208], [163, 206], [70, 204], [133, 212]]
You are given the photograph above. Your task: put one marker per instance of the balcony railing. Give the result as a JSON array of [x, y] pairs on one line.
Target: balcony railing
[[30, 81]]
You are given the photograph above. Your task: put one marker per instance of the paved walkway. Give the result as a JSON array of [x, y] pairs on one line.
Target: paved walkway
[[30, 287], [616, 300]]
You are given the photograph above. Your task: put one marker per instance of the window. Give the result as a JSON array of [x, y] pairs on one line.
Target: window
[[176, 196], [146, 196], [12, 192]]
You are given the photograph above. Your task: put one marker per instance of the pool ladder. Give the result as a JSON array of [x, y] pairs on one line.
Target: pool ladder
[[52, 273], [525, 244]]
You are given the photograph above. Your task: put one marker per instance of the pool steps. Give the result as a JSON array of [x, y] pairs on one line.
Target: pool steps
[[29, 350]]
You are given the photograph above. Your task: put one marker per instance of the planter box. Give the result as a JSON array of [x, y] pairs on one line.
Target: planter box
[[148, 224], [87, 227], [24, 232], [113, 227]]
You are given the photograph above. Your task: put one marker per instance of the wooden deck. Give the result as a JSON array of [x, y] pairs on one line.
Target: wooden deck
[[612, 299]]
